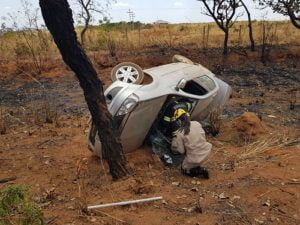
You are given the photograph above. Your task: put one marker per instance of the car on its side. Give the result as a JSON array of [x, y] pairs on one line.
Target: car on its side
[[137, 98]]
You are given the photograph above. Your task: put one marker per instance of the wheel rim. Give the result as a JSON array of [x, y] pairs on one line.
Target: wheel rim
[[127, 74]]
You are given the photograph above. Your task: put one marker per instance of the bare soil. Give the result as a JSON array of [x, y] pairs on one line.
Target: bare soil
[[44, 146]]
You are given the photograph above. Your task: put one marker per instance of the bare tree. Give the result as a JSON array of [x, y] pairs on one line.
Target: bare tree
[[249, 25], [224, 14], [58, 18], [289, 8], [31, 40], [87, 8]]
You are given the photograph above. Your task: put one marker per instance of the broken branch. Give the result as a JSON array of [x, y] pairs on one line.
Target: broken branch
[[5, 180]]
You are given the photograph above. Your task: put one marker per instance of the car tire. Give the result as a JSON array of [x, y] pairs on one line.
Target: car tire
[[128, 72], [182, 59]]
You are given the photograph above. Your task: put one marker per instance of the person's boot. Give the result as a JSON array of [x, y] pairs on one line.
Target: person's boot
[[197, 172], [204, 172]]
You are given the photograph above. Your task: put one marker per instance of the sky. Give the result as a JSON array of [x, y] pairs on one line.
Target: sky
[[173, 11]]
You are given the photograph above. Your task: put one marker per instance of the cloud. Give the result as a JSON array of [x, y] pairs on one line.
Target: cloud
[[7, 7], [122, 4], [178, 4]]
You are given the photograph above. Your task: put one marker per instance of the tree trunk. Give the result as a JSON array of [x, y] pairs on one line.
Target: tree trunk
[[225, 48], [294, 19], [250, 27], [263, 45], [86, 25], [58, 18], [82, 34]]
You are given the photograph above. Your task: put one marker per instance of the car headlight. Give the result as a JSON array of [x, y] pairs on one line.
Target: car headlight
[[128, 105]]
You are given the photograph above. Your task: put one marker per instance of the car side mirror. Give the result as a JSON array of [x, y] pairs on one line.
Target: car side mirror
[[181, 84]]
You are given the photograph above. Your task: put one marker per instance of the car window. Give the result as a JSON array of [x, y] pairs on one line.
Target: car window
[[205, 82]]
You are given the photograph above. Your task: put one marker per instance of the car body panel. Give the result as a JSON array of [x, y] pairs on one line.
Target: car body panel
[[135, 131]]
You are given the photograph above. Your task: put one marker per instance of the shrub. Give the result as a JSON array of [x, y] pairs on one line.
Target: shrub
[[16, 205]]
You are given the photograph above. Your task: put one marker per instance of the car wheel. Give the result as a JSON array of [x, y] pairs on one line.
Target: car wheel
[[127, 72], [180, 58]]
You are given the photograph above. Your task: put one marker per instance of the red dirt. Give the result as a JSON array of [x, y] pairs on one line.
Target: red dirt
[[263, 189]]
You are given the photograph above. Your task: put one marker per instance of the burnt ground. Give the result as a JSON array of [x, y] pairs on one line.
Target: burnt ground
[[45, 138]]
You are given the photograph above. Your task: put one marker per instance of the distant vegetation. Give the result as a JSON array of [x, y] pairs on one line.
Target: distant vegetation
[[36, 47], [121, 25]]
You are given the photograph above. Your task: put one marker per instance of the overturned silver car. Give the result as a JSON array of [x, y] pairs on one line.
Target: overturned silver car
[[136, 106]]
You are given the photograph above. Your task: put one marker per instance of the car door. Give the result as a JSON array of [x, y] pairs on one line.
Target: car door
[[139, 123], [203, 89]]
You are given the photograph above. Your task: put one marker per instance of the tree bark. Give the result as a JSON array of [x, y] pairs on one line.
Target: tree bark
[[264, 40], [86, 20], [226, 36], [292, 14], [82, 33], [249, 26], [58, 18]]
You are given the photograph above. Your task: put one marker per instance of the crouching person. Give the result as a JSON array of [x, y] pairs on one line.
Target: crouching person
[[190, 140]]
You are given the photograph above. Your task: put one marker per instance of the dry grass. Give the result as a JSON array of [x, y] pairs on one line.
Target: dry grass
[[36, 52], [192, 34], [14, 45], [215, 121], [265, 144]]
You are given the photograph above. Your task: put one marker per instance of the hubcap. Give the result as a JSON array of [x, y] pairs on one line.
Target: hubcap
[[127, 74]]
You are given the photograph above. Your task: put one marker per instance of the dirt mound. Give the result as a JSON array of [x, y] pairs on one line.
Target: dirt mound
[[249, 124], [245, 128]]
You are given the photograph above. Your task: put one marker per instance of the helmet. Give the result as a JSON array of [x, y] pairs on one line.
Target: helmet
[[179, 112]]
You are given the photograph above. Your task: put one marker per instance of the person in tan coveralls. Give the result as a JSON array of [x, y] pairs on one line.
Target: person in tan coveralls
[[190, 140]]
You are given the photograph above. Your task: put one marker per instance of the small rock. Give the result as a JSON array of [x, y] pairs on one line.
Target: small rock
[[194, 209], [93, 219], [258, 221], [194, 189], [267, 203], [222, 196], [236, 197], [132, 208], [164, 202], [181, 196], [232, 206], [194, 182], [176, 183]]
